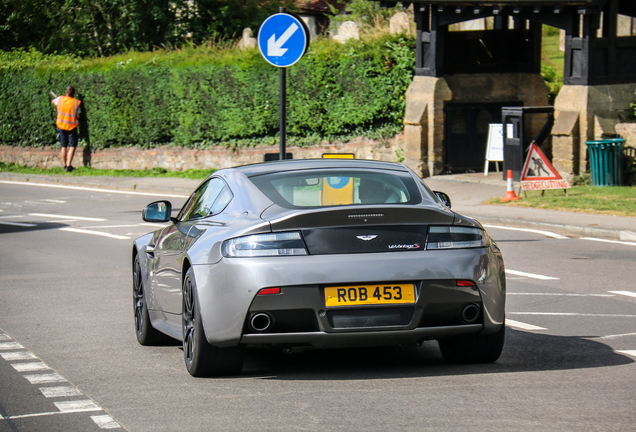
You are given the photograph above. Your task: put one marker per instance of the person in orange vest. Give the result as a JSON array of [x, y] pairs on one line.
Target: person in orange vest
[[68, 113]]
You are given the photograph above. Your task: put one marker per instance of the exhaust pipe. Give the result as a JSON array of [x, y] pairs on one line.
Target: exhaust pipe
[[260, 322], [470, 313]]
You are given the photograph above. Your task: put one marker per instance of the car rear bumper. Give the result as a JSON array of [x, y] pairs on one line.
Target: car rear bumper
[[354, 339], [227, 293]]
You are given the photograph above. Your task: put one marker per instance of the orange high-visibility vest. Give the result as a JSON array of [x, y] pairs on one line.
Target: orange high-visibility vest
[[67, 113]]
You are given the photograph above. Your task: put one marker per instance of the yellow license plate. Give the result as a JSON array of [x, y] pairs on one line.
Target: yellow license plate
[[369, 294]]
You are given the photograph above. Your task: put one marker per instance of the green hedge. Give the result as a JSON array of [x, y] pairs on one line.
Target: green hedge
[[198, 97]]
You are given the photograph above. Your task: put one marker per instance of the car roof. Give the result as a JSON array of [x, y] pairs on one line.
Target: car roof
[[306, 164]]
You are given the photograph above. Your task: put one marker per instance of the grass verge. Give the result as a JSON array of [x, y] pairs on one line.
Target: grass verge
[[619, 201], [194, 174]]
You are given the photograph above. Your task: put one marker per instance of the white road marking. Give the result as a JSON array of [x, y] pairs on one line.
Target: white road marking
[[562, 294], [21, 224], [55, 201], [628, 352], [573, 314], [66, 217], [18, 355], [609, 241], [93, 189], [10, 346], [523, 326], [44, 378], [77, 406], [30, 367], [615, 336], [64, 407], [11, 217], [105, 422], [45, 414], [23, 416], [98, 233], [625, 293], [112, 226], [530, 275], [62, 391], [545, 233]]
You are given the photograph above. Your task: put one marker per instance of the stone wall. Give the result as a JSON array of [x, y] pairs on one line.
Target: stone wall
[[585, 113], [179, 158], [628, 132]]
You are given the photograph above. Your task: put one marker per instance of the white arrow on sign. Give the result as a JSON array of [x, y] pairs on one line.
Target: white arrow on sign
[[274, 47]]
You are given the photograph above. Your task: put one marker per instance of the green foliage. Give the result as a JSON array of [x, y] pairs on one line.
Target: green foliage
[[105, 27], [584, 179], [20, 59], [367, 12], [552, 31], [205, 19], [552, 80], [210, 95], [88, 27], [552, 59]]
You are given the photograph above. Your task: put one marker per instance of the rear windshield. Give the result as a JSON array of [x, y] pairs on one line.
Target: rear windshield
[[335, 187]]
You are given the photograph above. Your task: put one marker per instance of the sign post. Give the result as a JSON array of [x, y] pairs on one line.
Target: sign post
[[282, 40]]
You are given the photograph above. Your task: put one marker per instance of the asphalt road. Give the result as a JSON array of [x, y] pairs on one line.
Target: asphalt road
[[69, 360]]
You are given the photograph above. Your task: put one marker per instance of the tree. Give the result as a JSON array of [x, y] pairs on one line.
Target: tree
[[106, 27], [227, 18]]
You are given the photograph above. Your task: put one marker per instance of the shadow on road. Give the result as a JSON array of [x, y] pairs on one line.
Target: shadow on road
[[28, 226], [523, 352]]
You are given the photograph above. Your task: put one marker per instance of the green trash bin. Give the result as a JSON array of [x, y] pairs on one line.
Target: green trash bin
[[606, 161]]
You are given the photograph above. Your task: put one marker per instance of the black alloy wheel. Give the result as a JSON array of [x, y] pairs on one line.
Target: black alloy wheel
[[201, 358], [146, 334]]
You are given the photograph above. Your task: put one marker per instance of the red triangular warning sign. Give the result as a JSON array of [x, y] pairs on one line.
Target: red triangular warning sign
[[537, 166], [538, 172]]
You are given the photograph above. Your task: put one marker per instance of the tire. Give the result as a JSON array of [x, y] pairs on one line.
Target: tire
[[473, 348], [147, 335], [201, 358]]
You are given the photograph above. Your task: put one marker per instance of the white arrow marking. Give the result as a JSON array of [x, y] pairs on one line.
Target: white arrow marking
[[274, 47]]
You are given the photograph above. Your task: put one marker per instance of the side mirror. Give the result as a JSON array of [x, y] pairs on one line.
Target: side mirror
[[445, 199], [158, 211]]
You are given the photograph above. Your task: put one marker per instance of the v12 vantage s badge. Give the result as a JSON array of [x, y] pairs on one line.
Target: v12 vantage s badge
[[405, 246]]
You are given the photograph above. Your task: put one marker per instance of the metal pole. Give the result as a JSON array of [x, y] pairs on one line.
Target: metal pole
[[283, 111], [283, 106]]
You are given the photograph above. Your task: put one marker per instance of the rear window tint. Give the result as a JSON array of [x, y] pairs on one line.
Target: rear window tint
[[335, 187]]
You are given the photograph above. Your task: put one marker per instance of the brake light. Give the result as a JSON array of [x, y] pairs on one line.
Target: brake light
[[262, 245], [465, 283], [455, 237]]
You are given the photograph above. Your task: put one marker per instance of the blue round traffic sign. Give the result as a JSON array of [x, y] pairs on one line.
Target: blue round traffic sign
[[338, 182], [283, 39]]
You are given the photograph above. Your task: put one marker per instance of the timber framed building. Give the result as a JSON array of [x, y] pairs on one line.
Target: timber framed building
[[464, 78]]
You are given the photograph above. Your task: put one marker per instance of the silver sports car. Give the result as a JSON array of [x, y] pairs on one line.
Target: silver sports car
[[316, 254]]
